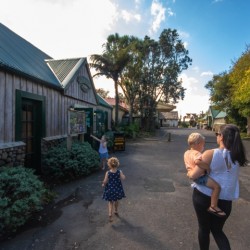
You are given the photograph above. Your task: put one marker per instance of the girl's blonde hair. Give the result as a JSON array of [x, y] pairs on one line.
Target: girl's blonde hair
[[113, 162], [195, 138]]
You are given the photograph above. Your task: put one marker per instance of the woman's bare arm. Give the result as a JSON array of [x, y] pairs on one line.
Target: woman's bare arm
[[207, 156], [206, 159]]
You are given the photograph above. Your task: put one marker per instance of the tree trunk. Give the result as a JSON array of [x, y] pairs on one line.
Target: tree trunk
[[131, 104], [248, 125], [116, 102]]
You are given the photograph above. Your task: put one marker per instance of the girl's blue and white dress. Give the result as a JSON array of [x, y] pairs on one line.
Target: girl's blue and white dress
[[113, 189]]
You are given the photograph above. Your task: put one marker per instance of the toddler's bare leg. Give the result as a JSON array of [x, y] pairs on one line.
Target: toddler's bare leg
[[103, 163], [110, 206], [214, 197], [116, 207], [215, 191]]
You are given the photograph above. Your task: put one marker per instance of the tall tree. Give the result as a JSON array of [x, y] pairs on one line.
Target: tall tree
[[221, 98], [131, 76], [112, 62], [230, 92], [240, 85], [220, 94], [163, 62]]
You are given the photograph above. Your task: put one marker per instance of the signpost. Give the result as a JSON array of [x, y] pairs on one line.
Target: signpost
[[76, 125]]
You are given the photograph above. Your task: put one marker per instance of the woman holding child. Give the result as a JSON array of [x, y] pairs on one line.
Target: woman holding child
[[224, 163]]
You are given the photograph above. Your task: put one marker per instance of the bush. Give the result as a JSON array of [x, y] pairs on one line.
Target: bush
[[62, 165], [132, 130], [183, 124], [110, 139], [21, 195]]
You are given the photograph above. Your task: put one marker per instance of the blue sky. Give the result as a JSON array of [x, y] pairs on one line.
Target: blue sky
[[215, 32]]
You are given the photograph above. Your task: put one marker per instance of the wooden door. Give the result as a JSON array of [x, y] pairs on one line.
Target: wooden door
[[31, 132]]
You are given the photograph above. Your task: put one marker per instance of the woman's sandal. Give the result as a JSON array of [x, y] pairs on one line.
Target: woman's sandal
[[216, 212], [116, 213]]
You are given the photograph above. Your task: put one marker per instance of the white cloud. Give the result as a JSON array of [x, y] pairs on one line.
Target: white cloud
[[104, 83], [207, 73], [188, 82], [128, 16], [158, 13], [185, 45], [195, 69], [195, 100], [137, 3], [193, 104], [184, 36], [66, 30], [170, 12], [217, 1]]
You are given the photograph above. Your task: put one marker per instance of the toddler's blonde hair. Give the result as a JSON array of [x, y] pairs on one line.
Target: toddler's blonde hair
[[195, 138], [113, 162]]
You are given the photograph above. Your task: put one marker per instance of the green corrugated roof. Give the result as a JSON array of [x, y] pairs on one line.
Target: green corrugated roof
[[18, 55], [221, 114], [214, 112], [64, 69], [102, 102], [217, 113]]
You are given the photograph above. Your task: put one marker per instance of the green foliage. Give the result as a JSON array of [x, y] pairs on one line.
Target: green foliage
[[244, 136], [231, 91], [62, 165], [219, 88], [183, 124], [132, 130], [240, 84], [112, 62], [103, 93], [21, 195], [110, 138]]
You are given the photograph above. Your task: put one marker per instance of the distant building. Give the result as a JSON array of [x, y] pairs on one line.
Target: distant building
[[169, 119], [123, 108], [216, 118], [162, 108]]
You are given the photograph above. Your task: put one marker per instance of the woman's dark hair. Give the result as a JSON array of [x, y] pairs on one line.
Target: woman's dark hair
[[232, 141]]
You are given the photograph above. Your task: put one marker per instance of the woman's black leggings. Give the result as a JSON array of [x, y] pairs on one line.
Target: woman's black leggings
[[209, 222]]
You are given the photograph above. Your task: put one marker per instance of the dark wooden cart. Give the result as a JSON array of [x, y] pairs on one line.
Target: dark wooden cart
[[119, 141]]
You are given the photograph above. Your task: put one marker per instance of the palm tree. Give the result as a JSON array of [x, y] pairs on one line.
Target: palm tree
[[112, 62]]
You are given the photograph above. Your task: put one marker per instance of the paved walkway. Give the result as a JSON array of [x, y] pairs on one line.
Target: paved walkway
[[157, 213]]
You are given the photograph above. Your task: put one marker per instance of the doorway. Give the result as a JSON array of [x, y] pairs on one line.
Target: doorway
[[30, 127]]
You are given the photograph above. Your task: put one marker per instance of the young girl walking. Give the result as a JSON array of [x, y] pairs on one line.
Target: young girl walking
[[112, 182], [103, 150]]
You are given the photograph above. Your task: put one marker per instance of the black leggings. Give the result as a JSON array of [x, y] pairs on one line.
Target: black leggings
[[209, 222]]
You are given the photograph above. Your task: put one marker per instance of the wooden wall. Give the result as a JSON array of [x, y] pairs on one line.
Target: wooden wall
[[73, 89], [57, 104]]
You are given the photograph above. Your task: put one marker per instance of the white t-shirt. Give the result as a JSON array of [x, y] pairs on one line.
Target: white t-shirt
[[102, 149]]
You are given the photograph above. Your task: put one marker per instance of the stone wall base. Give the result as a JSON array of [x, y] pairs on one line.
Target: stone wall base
[[12, 154]]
